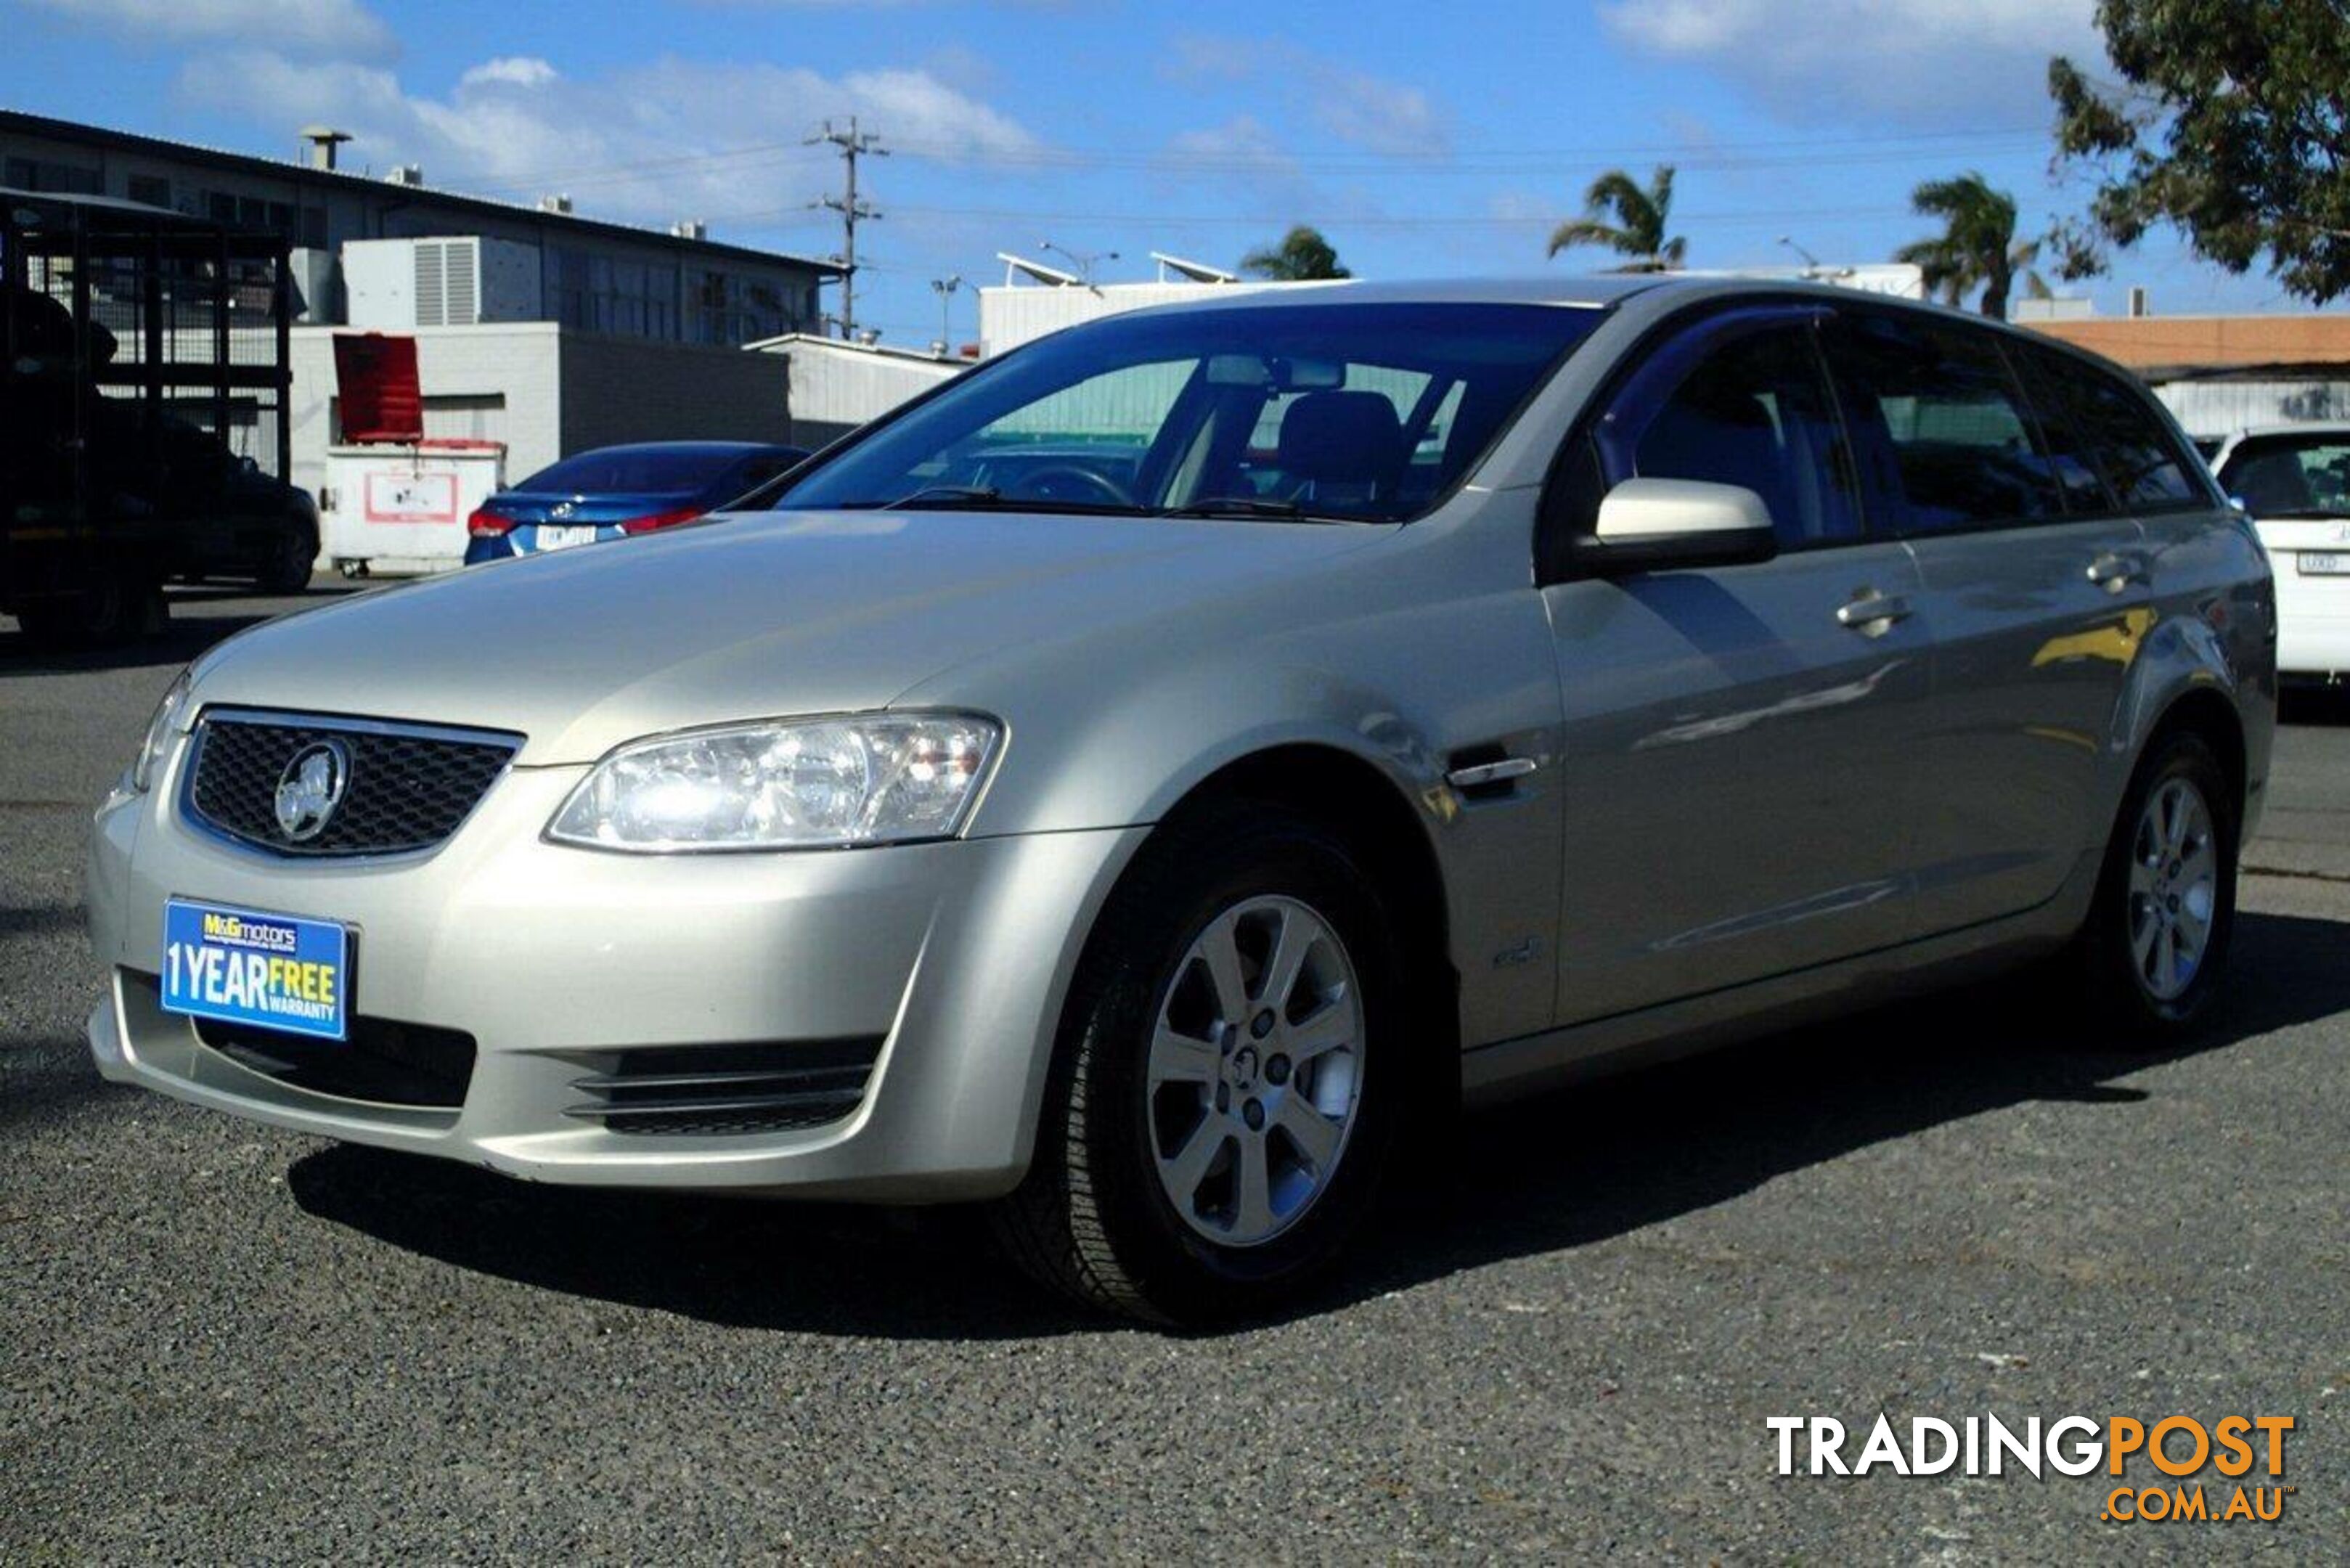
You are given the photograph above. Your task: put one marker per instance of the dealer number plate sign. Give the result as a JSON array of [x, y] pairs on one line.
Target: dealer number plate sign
[[244, 966], [2324, 563], [552, 537]]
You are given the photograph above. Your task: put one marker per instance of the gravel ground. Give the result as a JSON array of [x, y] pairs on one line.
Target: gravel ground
[[225, 1343]]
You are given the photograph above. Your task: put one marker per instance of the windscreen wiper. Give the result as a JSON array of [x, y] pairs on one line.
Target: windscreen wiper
[[1252, 506], [985, 498]]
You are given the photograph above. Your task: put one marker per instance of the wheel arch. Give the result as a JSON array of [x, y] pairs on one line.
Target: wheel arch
[[2206, 711]]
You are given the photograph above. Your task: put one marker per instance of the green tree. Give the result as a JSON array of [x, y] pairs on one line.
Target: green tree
[[1977, 247], [2228, 123], [1302, 256], [1629, 219]]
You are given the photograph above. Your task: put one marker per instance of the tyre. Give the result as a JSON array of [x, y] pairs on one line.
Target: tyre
[[2153, 955], [1229, 1080], [291, 561]]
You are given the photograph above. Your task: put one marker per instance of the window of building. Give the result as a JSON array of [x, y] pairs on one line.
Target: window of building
[[153, 190], [48, 174]]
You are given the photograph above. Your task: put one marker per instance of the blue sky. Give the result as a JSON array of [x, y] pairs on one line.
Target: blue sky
[[1425, 140]]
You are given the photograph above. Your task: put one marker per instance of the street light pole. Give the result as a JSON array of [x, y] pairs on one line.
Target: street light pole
[[944, 288]]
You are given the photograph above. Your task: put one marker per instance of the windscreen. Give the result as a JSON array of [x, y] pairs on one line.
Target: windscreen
[[634, 471], [1367, 413]]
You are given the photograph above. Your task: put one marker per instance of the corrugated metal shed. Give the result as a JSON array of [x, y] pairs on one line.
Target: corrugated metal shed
[[836, 386]]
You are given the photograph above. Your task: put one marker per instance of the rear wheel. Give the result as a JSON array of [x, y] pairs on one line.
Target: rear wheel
[[1230, 1081], [116, 608], [2154, 953]]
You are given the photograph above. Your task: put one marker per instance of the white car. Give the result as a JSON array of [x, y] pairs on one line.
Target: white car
[[2294, 480]]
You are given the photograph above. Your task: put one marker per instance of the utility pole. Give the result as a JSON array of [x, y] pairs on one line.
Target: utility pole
[[853, 144]]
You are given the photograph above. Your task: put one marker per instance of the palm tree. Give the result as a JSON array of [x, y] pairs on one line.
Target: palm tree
[[1303, 257], [1977, 247], [1641, 213]]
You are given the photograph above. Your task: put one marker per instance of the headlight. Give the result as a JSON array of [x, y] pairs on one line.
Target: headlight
[[159, 734], [799, 784]]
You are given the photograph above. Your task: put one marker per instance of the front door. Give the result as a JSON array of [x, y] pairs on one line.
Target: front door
[[1740, 741]]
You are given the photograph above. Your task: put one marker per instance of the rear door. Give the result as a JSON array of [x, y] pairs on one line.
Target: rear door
[[1739, 761], [2034, 582]]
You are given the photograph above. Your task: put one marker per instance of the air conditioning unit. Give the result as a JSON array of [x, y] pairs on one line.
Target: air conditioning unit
[[398, 285], [560, 205], [410, 174]]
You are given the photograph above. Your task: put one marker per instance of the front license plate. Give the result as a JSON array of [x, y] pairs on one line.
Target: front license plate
[[564, 538], [2324, 563], [244, 966]]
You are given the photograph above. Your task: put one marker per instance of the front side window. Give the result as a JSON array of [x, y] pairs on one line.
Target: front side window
[[1366, 412], [2291, 475], [1964, 451], [1753, 411]]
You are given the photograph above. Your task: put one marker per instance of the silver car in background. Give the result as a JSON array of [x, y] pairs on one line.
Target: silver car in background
[[1149, 780]]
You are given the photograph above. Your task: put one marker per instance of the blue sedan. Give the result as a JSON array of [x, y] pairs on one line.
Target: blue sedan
[[615, 491]]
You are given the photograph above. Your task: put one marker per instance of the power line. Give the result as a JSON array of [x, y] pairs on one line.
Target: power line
[[853, 210], [1687, 154]]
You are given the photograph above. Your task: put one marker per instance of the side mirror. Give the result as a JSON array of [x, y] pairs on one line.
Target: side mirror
[[1662, 524]]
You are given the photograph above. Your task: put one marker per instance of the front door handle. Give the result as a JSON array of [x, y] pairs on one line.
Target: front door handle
[[2112, 573], [1872, 613]]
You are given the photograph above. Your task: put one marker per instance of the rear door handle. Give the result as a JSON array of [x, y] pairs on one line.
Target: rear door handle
[[2112, 573], [1872, 613]]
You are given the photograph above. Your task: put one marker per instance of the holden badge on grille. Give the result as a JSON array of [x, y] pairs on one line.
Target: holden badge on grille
[[311, 787]]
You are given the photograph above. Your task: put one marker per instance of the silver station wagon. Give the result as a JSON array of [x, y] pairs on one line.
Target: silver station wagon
[[1146, 782]]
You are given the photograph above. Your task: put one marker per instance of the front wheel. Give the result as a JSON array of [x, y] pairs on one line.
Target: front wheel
[[2153, 952], [1231, 1077], [291, 561]]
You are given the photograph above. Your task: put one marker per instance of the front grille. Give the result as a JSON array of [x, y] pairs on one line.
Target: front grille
[[383, 1061], [720, 1089], [409, 786]]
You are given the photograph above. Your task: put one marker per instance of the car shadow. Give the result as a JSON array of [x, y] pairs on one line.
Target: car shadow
[[184, 637], [1578, 1167], [2324, 707]]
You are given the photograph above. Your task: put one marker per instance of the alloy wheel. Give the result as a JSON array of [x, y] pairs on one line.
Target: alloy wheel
[[2174, 890], [1255, 1071]]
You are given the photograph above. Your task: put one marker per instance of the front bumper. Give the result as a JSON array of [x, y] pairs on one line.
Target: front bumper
[[954, 956]]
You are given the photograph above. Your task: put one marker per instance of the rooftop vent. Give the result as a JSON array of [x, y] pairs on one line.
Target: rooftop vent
[[554, 205], [412, 174], [690, 229], [323, 140]]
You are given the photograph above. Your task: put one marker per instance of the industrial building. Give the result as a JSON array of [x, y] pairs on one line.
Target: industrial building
[[2221, 374], [536, 327]]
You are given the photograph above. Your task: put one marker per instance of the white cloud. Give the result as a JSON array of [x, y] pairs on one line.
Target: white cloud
[[666, 139], [514, 70], [309, 29], [1908, 62]]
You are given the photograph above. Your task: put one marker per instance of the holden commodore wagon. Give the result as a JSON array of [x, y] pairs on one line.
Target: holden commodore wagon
[[1144, 783]]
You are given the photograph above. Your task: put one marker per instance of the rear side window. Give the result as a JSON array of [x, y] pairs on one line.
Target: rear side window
[[1752, 410], [1960, 447], [2079, 470], [2141, 464]]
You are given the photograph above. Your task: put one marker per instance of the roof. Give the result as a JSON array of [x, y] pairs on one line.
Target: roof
[[791, 340], [13, 122], [1591, 291], [2188, 346]]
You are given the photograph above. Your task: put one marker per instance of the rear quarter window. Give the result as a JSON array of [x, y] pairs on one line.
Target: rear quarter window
[[2142, 464]]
